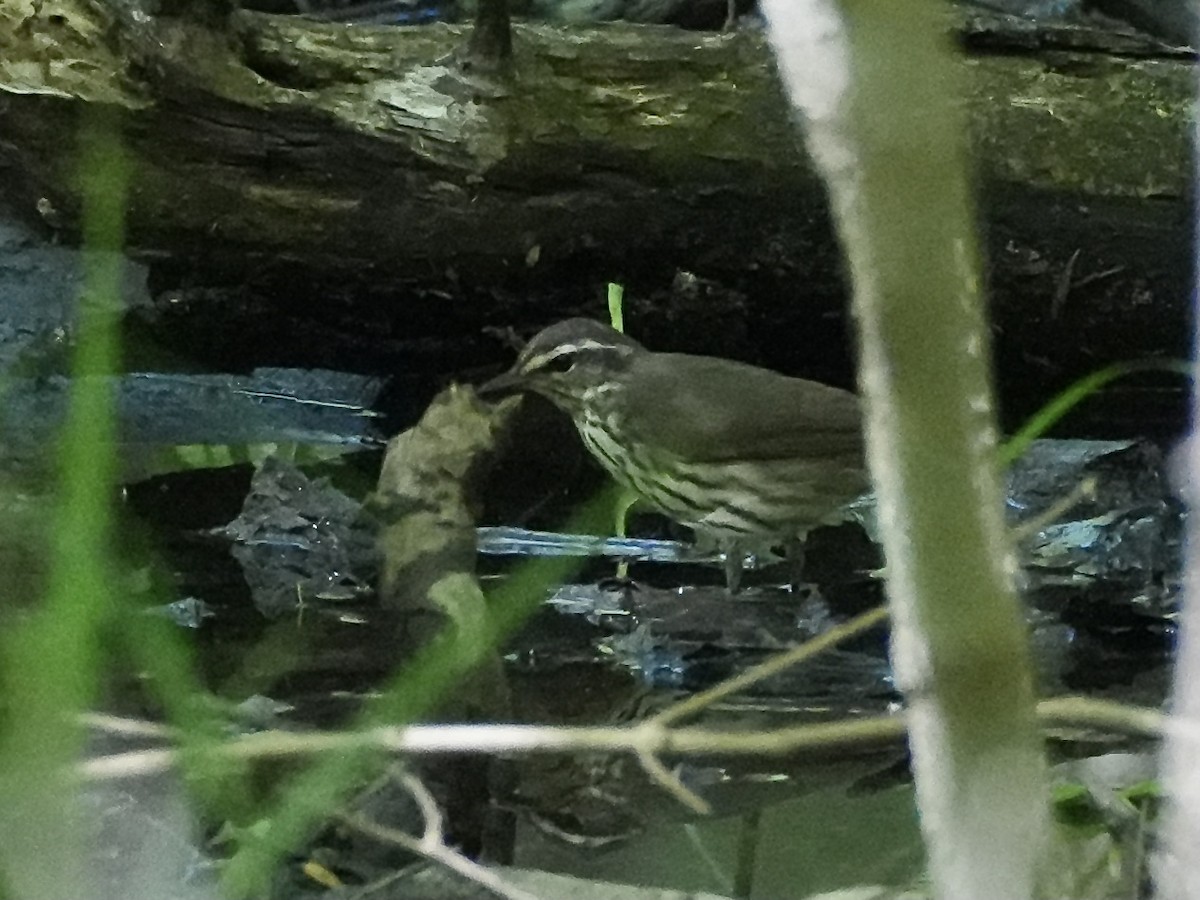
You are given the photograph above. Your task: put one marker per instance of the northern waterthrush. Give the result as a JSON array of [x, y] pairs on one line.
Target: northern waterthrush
[[739, 454]]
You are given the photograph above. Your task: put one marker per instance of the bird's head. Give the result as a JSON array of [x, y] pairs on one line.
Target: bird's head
[[569, 363]]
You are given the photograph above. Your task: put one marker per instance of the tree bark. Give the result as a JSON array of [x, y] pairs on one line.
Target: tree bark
[[362, 154]]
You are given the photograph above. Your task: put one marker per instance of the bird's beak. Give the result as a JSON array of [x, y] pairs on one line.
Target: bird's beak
[[502, 385]]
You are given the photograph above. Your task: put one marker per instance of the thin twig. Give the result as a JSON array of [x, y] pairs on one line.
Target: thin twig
[[1085, 490], [670, 782], [771, 667], [434, 835], [649, 737], [1063, 287], [643, 737], [126, 727], [1098, 276], [1106, 715], [437, 852]]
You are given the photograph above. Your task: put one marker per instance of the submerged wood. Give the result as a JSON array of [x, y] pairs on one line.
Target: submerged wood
[[426, 503]]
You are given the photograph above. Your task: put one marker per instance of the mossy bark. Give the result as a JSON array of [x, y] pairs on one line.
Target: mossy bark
[[362, 154], [369, 145]]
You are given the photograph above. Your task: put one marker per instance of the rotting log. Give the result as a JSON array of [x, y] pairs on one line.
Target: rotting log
[[364, 145], [359, 152]]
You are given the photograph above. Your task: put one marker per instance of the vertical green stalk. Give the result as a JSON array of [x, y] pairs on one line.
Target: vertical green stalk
[[51, 662], [1176, 875], [616, 307], [879, 88]]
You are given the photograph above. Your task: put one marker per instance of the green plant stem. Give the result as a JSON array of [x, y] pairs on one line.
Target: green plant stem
[[879, 85], [1075, 393], [52, 663], [616, 305]]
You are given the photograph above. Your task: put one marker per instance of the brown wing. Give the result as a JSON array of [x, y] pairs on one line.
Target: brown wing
[[712, 410]]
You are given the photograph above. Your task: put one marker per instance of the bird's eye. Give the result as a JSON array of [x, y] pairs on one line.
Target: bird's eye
[[562, 363]]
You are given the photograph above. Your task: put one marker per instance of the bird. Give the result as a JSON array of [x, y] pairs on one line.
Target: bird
[[743, 456]]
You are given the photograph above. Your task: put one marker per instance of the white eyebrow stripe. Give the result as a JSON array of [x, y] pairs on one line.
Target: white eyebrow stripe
[[592, 344], [586, 344]]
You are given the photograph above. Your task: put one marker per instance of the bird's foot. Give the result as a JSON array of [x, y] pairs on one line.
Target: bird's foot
[[734, 562]]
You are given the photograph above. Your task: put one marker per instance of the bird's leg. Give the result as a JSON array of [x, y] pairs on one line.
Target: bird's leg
[[734, 560], [621, 508], [793, 551]]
